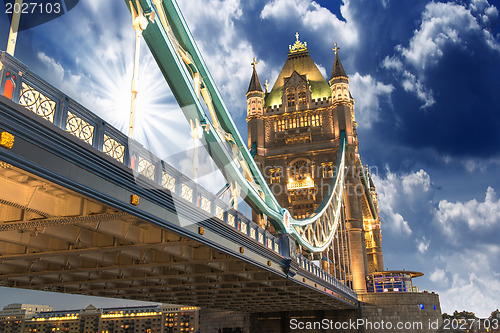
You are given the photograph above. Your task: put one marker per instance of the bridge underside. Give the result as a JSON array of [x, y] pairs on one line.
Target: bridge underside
[[54, 239]]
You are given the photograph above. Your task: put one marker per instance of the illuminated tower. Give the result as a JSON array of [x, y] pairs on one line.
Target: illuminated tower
[[295, 137], [344, 120], [255, 107]]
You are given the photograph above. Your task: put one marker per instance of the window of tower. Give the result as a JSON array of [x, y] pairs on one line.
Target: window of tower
[[275, 175], [290, 96], [280, 125], [327, 170], [315, 120], [303, 121], [302, 96]]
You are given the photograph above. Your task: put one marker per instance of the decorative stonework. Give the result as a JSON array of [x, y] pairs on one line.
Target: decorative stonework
[[6, 140]]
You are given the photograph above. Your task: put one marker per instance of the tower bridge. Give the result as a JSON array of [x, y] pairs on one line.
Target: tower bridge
[[76, 219], [85, 209]]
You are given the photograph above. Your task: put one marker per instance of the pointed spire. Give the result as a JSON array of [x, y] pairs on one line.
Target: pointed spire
[[372, 186], [254, 81], [338, 69]]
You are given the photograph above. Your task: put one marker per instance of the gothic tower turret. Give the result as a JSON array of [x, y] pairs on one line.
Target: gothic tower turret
[[342, 100], [255, 107]]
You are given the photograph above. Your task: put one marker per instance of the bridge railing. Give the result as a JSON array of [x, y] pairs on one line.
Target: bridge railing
[[25, 88]]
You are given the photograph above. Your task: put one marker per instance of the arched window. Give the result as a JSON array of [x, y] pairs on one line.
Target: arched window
[[302, 95], [327, 170], [315, 120], [302, 121], [280, 125], [9, 85], [290, 96], [275, 175]]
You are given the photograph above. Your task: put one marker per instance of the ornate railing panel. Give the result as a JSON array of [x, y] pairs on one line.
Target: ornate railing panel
[[80, 128], [113, 148], [37, 102]]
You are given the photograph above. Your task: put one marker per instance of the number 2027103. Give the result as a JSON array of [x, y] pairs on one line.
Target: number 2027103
[[33, 8]]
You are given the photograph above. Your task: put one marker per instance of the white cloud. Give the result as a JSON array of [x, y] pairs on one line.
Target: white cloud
[[464, 273], [442, 25], [311, 16], [404, 191], [368, 92], [419, 181], [472, 165], [392, 62], [467, 281], [439, 276], [412, 84], [392, 204], [423, 245], [58, 76], [472, 213]]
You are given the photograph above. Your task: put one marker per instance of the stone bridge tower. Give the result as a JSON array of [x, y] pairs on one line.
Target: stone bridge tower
[[294, 132]]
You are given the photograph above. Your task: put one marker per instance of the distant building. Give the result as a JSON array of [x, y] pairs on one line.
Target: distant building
[[13, 316], [21, 318], [392, 281]]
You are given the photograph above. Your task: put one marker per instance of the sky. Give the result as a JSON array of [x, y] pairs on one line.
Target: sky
[[425, 77]]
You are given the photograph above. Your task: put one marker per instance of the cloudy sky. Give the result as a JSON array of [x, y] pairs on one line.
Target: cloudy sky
[[425, 77]]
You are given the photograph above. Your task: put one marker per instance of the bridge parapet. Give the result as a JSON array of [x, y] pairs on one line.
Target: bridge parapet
[[27, 89]]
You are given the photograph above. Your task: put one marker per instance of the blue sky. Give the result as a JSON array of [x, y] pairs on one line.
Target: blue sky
[[425, 77]]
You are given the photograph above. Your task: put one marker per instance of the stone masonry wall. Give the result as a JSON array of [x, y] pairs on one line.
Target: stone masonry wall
[[416, 312]]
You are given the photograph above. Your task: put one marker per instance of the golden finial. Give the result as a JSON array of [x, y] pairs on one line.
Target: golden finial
[[254, 63], [336, 48], [267, 86], [298, 45]]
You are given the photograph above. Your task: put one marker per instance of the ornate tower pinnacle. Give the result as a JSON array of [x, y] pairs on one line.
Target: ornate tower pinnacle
[[338, 70], [254, 81], [298, 46]]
